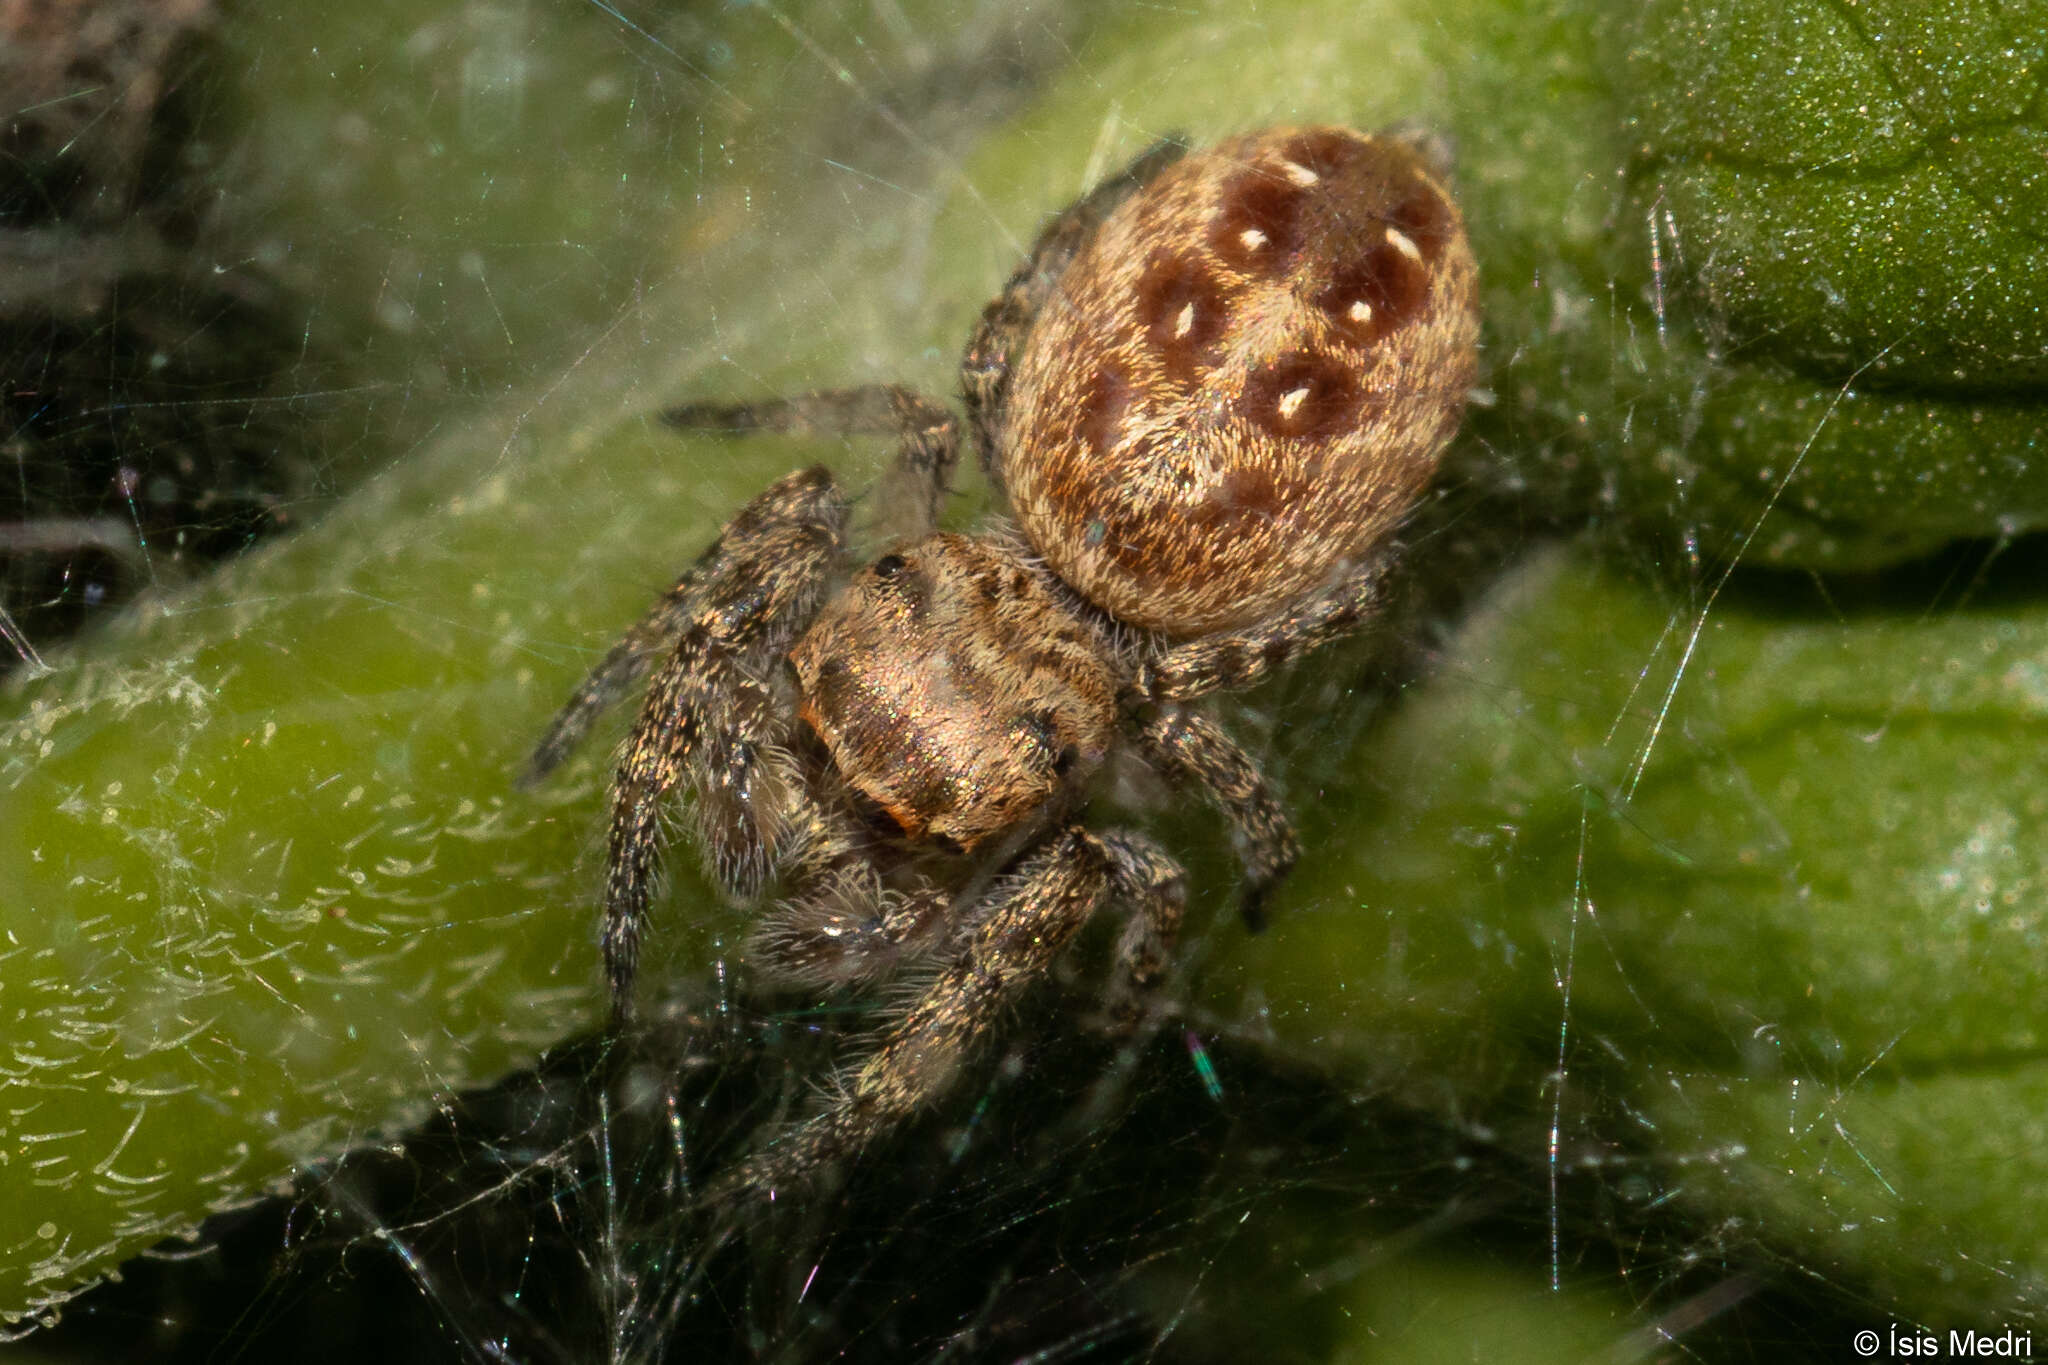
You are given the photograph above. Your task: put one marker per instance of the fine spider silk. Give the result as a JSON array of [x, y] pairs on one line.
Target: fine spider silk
[[1210, 394]]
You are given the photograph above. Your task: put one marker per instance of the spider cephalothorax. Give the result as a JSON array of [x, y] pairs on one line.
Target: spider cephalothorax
[[953, 689], [1211, 394]]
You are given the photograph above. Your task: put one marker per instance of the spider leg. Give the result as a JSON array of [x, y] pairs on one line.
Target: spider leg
[[928, 435], [985, 365], [1195, 750], [613, 677], [1240, 659], [808, 498], [1028, 920], [1147, 879], [712, 716]]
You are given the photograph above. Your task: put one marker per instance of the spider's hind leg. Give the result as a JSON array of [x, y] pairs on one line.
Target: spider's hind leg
[[1194, 750], [1007, 318], [1233, 660], [1147, 879], [927, 433]]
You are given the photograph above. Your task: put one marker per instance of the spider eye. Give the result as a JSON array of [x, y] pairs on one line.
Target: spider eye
[[1037, 734], [888, 566]]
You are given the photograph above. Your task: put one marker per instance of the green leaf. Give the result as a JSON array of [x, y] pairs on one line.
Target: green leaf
[[1830, 278], [1759, 896]]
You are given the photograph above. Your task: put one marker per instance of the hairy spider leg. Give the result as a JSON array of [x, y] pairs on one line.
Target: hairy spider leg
[[1196, 752], [605, 685], [1245, 658], [1194, 749], [926, 431], [809, 495], [712, 717]]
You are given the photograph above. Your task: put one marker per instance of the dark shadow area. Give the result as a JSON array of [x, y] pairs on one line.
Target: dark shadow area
[[1191, 1202], [162, 384]]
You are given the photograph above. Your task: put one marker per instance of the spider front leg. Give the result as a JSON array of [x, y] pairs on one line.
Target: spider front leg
[[1028, 919], [1007, 318], [1195, 750], [712, 717], [794, 513]]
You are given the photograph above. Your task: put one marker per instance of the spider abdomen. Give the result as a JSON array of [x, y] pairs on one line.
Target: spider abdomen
[[1242, 383]]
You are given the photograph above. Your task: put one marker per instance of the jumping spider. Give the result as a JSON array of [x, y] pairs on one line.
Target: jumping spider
[[1210, 394]]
